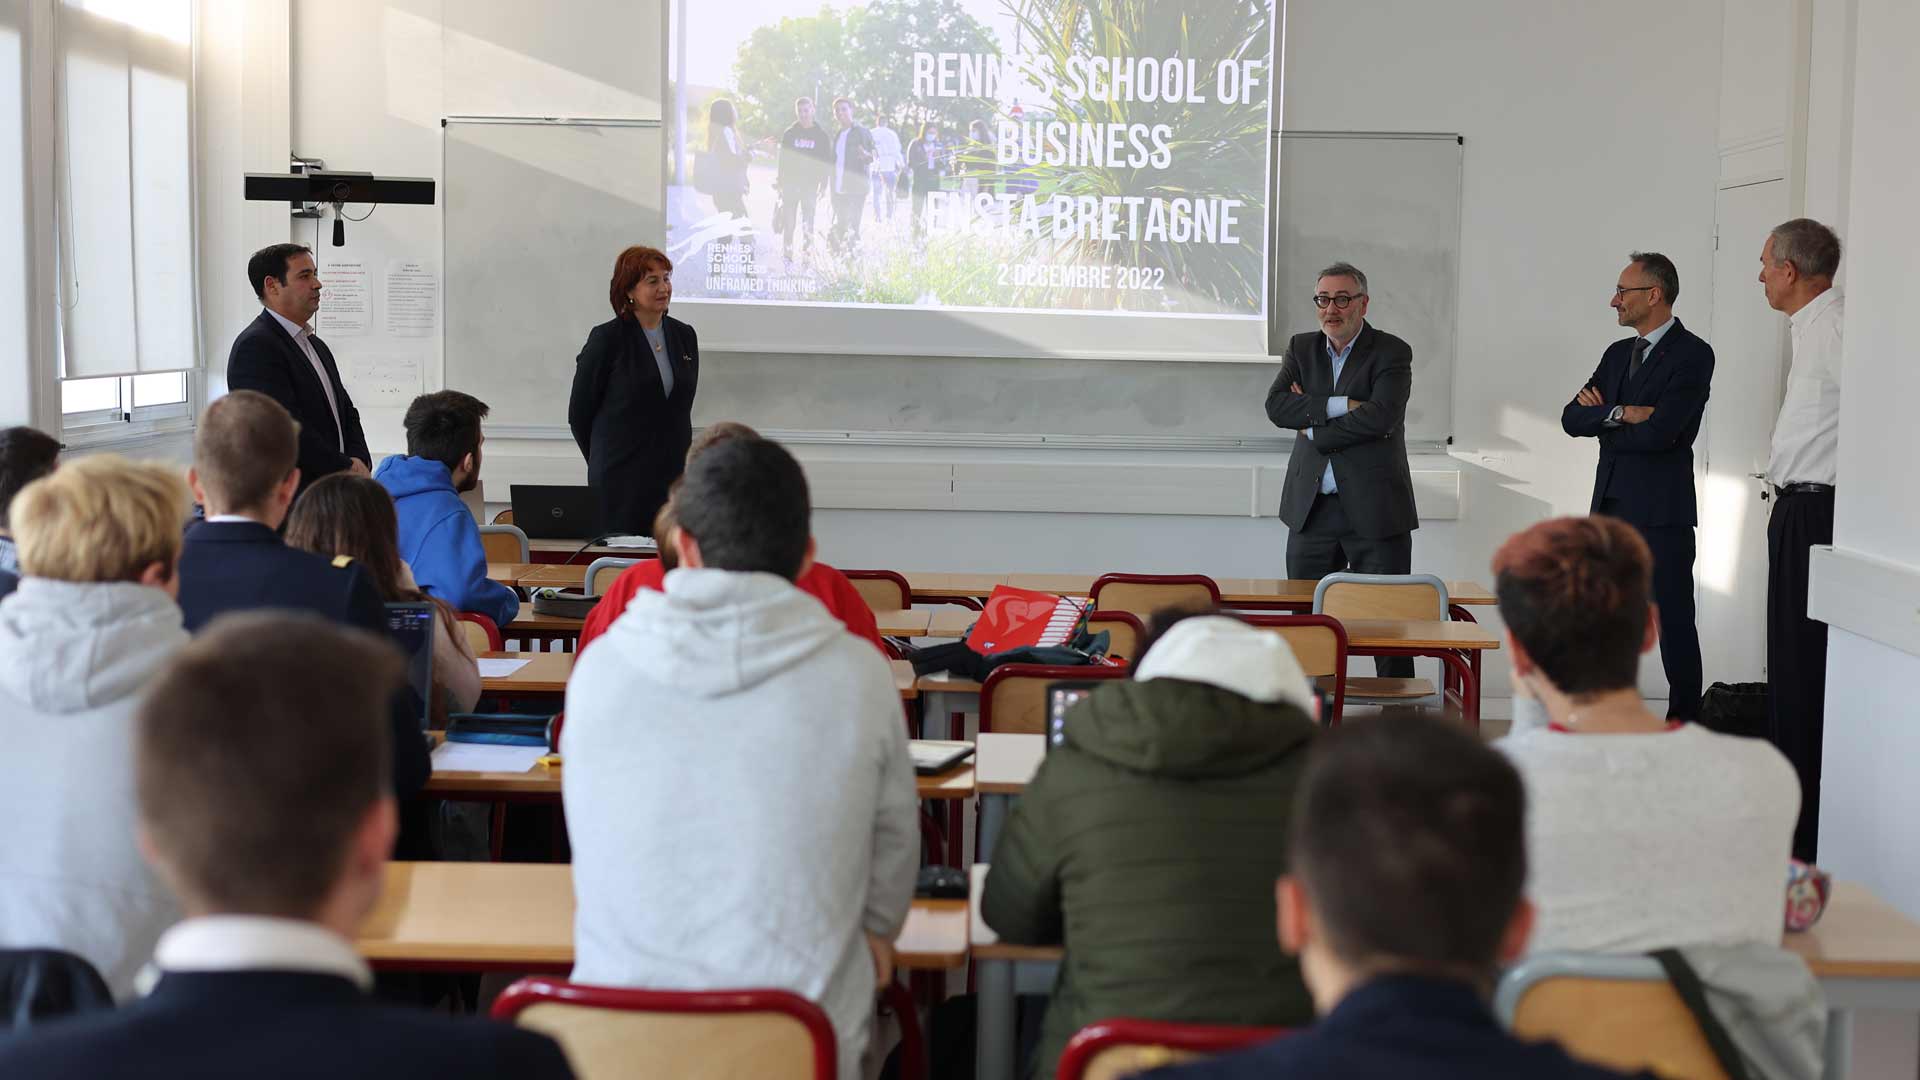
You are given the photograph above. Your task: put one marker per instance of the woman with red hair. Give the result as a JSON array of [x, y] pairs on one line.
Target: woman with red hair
[[632, 405]]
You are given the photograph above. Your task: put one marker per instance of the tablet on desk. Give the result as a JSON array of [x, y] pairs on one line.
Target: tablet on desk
[[411, 625], [938, 755]]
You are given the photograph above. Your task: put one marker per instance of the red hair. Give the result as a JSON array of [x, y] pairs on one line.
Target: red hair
[[1575, 593], [628, 269]]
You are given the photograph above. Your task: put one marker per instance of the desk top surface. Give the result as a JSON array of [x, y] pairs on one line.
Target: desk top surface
[[547, 673], [1004, 762], [1860, 936], [509, 914], [1232, 590]]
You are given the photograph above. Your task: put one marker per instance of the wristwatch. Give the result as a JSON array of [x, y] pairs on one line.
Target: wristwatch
[[1616, 416]]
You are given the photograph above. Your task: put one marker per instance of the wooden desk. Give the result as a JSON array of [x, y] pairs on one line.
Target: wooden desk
[[556, 576], [543, 673], [939, 586], [902, 623], [553, 551], [509, 573], [1004, 762], [1456, 645], [1866, 954], [519, 917], [543, 784], [533, 629]]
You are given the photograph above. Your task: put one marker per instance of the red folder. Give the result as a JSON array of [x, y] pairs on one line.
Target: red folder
[[1021, 618]]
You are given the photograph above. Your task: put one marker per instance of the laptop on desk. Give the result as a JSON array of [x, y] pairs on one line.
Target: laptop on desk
[[556, 511]]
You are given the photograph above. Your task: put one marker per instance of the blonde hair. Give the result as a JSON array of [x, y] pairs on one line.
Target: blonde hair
[[100, 518]]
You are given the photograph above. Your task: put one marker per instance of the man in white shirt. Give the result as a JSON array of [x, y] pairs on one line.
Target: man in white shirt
[[278, 355], [1797, 264], [260, 769], [739, 794], [888, 160]]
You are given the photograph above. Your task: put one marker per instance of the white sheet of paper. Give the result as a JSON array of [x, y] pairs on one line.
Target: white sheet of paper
[[413, 298], [385, 378], [344, 311], [493, 667], [644, 543], [485, 757]]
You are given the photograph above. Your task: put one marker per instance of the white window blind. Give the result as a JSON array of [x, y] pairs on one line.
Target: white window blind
[[125, 193]]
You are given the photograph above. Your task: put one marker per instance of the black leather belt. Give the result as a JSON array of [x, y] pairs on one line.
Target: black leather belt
[[1806, 489]]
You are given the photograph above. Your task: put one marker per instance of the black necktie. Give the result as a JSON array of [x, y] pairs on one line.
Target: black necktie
[[1639, 354]]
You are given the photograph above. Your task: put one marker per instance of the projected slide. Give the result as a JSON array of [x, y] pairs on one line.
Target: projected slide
[[1021, 156]]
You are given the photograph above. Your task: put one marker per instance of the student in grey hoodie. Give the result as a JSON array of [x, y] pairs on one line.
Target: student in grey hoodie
[[92, 623], [739, 794]]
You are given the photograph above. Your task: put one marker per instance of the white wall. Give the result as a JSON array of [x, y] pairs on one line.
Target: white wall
[[1583, 141], [1869, 801]]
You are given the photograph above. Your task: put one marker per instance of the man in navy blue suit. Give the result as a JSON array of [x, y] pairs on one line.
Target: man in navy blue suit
[[1403, 897], [1644, 403], [272, 823], [278, 355], [244, 475]]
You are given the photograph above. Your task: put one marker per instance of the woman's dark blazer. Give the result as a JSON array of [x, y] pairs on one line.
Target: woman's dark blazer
[[634, 436]]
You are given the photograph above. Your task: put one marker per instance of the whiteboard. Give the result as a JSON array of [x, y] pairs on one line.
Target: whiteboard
[[534, 213]]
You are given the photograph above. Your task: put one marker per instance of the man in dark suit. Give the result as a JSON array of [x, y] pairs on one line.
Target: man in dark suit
[[1644, 403], [1348, 499], [1404, 892], [243, 473], [260, 775], [278, 355]]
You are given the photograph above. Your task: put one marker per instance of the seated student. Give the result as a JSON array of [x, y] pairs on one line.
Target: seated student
[[438, 537], [1644, 835], [739, 795], [26, 455], [817, 579], [93, 623], [272, 823], [244, 475], [1146, 842], [350, 515], [1408, 857]]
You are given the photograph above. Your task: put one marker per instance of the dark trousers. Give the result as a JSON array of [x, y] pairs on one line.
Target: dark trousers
[[1797, 650], [797, 206], [1327, 544], [1672, 547]]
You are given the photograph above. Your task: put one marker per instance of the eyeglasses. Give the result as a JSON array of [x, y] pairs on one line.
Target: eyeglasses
[[1340, 300], [1621, 290]]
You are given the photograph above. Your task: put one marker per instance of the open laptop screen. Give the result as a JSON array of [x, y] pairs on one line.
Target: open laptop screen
[[411, 625]]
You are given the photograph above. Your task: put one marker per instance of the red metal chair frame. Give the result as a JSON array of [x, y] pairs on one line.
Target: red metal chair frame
[[1337, 709], [1102, 1035], [495, 643], [1048, 672], [898, 579], [542, 991]]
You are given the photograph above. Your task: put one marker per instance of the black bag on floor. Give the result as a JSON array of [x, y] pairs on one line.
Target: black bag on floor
[[1735, 709]]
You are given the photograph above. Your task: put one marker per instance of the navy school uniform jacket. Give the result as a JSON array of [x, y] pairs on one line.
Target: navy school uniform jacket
[[241, 1025], [1395, 1027], [245, 566]]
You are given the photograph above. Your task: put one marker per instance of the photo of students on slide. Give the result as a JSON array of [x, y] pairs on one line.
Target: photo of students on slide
[[1048, 173]]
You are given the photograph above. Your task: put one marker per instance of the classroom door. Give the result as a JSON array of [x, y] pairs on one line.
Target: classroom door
[[1750, 347]]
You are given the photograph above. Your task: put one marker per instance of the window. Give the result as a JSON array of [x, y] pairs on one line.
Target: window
[[127, 314], [15, 302]]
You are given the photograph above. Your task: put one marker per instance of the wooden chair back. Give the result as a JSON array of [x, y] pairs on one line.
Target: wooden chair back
[[505, 543], [602, 571], [1014, 697], [1617, 1012], [618, 1034], [1140, 595], [482, 634], [1113, 1049], [1319, 645], [504, 517], [1124, 632], [883, 590], [1378, 596]]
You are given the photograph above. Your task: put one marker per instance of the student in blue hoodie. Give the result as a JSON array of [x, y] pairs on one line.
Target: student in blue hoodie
[[438, 537]]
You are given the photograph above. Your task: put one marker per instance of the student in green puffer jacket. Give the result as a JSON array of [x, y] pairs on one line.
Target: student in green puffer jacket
[[1150, 842]]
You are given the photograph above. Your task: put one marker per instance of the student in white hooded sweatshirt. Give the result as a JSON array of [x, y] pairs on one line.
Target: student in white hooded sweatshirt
[[739, 794], [93, 622]]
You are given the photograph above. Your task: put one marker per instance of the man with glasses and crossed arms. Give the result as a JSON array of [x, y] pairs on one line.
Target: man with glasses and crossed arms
[[1644, 403], [1348, 499]]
